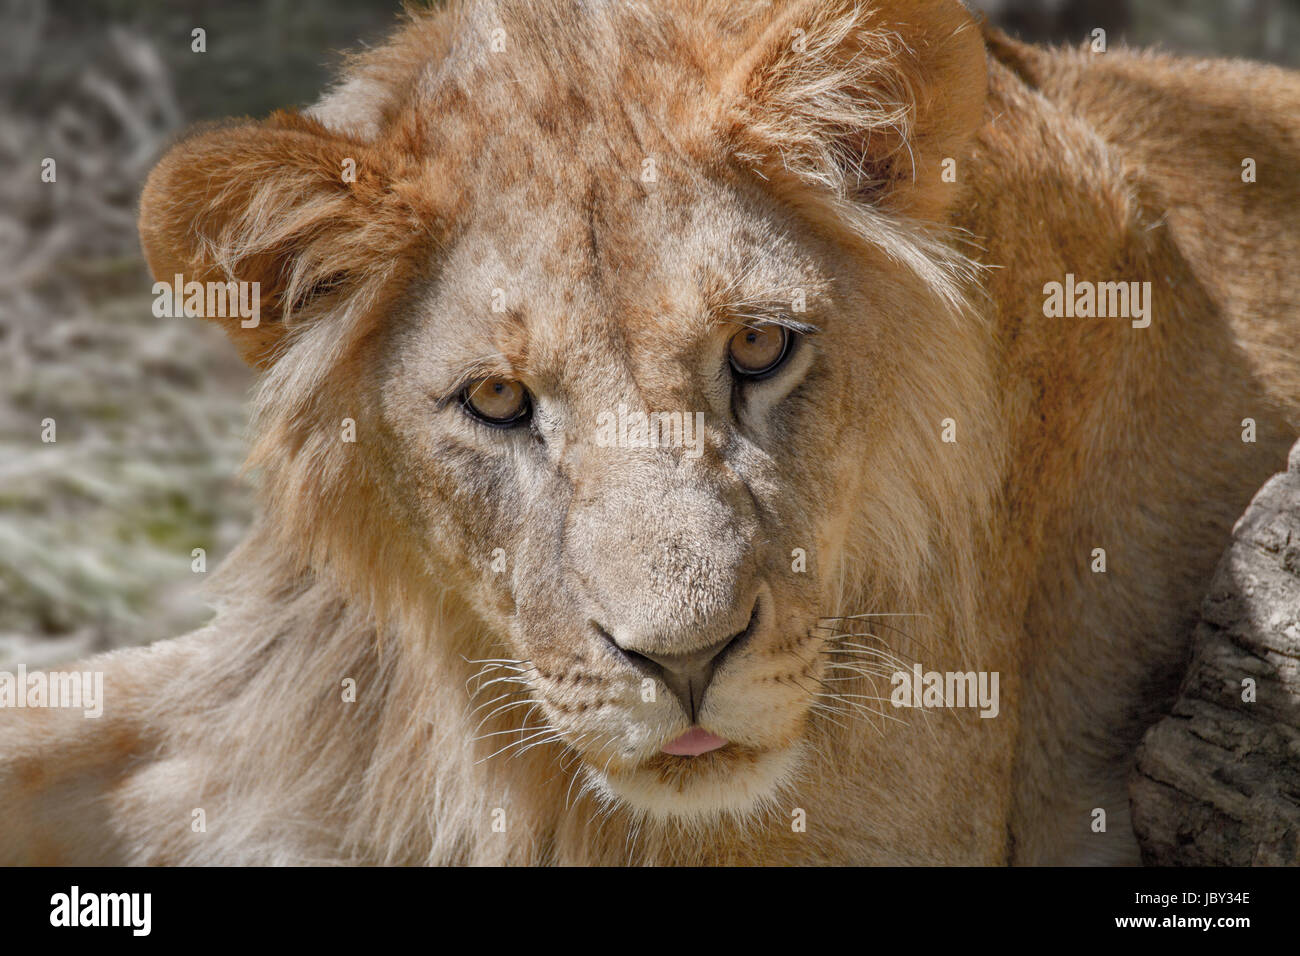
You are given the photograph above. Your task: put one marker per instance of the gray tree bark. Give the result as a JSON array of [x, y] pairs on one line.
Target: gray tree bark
[[1217, 782]]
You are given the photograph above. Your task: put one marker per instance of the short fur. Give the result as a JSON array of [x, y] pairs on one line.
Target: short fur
[[796, 146]]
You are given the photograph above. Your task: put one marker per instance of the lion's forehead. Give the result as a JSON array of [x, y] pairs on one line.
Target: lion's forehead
[[585, 283]]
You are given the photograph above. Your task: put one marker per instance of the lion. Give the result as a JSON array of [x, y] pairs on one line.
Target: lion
[[659, 407]]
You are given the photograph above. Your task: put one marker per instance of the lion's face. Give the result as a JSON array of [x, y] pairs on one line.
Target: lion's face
[[647, 576], [647, 344]]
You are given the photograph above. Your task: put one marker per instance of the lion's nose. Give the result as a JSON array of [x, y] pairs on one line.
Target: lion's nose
[[687, 674]]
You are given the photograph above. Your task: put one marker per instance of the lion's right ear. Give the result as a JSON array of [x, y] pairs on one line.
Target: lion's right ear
[[873, 99], [299, 213]]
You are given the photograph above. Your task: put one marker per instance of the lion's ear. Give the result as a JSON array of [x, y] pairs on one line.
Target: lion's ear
[[302, 212], [874, 99]]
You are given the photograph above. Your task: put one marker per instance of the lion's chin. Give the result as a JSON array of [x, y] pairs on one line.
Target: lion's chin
[[734, 782]]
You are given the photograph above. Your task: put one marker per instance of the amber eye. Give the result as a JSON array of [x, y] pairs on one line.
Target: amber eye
[[497, 401], [759, 351]]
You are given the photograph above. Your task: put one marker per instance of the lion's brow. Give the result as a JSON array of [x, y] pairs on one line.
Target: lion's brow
[[752, 313]]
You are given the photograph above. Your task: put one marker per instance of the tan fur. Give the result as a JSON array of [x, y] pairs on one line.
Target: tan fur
[[778, 170]]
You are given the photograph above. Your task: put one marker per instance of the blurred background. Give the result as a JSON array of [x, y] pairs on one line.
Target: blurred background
[[97, 527]]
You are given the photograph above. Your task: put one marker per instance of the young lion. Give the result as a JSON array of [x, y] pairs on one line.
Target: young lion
[[950, 344]]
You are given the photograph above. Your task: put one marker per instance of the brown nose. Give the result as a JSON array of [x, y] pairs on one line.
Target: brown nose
[[687, 675]]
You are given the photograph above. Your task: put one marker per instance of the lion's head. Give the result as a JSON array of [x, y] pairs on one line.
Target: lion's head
[[630, 332]]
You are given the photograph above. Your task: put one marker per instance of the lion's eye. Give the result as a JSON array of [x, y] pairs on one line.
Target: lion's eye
[[756, 352], [497, 401]]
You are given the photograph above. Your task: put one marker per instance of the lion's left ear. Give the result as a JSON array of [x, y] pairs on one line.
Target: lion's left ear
[[301, 214], [868, 98]]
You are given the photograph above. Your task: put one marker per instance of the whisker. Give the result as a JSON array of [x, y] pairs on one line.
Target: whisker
[[519, 677], [484, 671], [855, 666], [861, 675], [864, 652], [865, 649], [863, 697], [501, 733], [499, 680], [860, 712], [568, 755], [541, 743], [827, 713], [496, 699], [866, 614], [893, 627], [540, 731], [502, 709], [846, 635], [490, 663]]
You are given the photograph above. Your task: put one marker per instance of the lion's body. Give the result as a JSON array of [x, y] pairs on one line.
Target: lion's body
[[1138, 451], [1073, 435]]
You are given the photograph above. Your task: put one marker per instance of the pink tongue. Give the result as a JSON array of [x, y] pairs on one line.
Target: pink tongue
[[694, 742]]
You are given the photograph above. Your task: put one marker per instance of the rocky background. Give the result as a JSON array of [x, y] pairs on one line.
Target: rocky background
[[1217, 782], [97, 527]]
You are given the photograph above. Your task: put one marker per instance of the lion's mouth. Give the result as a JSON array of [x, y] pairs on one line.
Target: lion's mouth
[[694, 743], [699, 775]]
